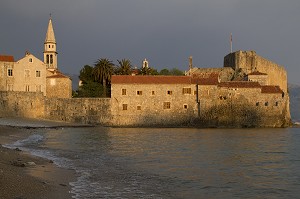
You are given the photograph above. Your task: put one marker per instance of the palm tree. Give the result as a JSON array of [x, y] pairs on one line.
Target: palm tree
[[124, 67], [102, 72]]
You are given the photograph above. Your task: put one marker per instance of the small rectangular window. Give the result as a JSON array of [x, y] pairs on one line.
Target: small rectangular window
[[167, 105], [27, 88], [169, 92], [38, 73], [139, 92], [138, 108], [124, 107], [153, 92], [10, 72], [257, 103], [186, 90], [276, 103], [266, 103], [185, 106], [123, 91]]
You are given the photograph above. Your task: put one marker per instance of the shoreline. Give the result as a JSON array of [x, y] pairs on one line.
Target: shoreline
[[23, 175]]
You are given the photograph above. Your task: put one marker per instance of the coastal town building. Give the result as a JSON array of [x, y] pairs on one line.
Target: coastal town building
[[248, 91], [30, 74]]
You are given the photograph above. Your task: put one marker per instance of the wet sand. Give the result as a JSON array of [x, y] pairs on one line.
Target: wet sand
[[24, 176]]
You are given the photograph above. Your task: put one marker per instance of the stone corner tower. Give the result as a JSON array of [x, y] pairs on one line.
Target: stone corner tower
[[50, 54]]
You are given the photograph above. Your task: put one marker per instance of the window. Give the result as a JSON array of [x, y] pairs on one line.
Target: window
[[51, 59], [153, 92], [138, 108], [167, 105], [123, 91], [47, 59], [27, 88], [52, 46], [257, 103], [139, 92], [276, 103], [169, 92], [266, 103], [10, 72], [124, 107], [49, 46], [185, 106], [30, 60], [195, 92], [38, 73], [186, 90], [27, 73]]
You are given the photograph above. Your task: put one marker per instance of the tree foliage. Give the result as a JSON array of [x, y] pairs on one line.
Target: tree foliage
[[124, 67]]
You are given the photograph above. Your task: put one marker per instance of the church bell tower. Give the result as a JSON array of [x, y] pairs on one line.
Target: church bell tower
[[50, 54]]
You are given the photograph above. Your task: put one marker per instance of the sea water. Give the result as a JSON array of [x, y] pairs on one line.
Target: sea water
[[174, 162]]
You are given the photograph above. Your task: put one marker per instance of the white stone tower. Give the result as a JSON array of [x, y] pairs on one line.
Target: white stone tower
[[50, 54], [145, 64]]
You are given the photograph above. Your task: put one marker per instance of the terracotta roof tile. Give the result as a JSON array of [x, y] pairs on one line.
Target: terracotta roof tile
[[57, 74], [240, 84], [257, 73], [145, 79], [206, 79], [271, 89], [7, 58]]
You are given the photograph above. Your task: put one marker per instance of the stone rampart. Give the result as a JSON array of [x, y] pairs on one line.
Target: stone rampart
[[22, 104], [249, 61], [79, 110]]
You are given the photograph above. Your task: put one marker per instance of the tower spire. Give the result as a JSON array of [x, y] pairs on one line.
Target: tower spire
[[50, 54]]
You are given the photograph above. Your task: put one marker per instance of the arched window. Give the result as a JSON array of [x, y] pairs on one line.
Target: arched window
[[51, 59], [47, 59], [30, 59], [49, 46]]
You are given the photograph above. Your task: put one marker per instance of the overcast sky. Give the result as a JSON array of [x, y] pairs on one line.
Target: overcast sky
[[165, 32]]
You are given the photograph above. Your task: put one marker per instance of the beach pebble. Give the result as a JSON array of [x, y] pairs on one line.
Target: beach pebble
[[17, 149], [30, 164]]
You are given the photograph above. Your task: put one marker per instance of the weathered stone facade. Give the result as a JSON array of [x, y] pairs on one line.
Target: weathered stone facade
[[204, 102], [30, 74], [249, 61]]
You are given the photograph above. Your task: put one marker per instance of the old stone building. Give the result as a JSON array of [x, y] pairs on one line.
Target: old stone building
[[225, 97], [29, 74]]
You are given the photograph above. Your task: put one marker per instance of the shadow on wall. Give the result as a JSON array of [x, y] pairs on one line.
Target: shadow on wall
[[227, 116]]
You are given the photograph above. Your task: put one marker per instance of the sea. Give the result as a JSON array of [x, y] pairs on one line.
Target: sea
[[173, 162]]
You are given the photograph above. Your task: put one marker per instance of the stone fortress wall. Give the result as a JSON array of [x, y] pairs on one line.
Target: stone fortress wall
[[249, 61], [184, 101]]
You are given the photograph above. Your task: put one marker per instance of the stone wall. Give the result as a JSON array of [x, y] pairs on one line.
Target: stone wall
[[216, 107], [249, 62], [59, 87], [22, 104], [152, 104], [79, 110]]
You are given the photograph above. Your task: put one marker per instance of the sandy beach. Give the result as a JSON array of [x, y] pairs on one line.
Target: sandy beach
[[23, 176]]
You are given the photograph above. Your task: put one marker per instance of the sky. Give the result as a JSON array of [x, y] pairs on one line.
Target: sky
[[165, 32]]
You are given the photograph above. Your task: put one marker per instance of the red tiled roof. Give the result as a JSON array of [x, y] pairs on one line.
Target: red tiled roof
[[257, 73], [271, 89], [145, 79], [57, 74], [211, 79], [7, 58], [240, 84]]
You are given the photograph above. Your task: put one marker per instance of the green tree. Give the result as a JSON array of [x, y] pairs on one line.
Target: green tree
[[124, 67], [164, 71], [148, 71], [86, 73], [176, 72], [91, 89], [102, 73]]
